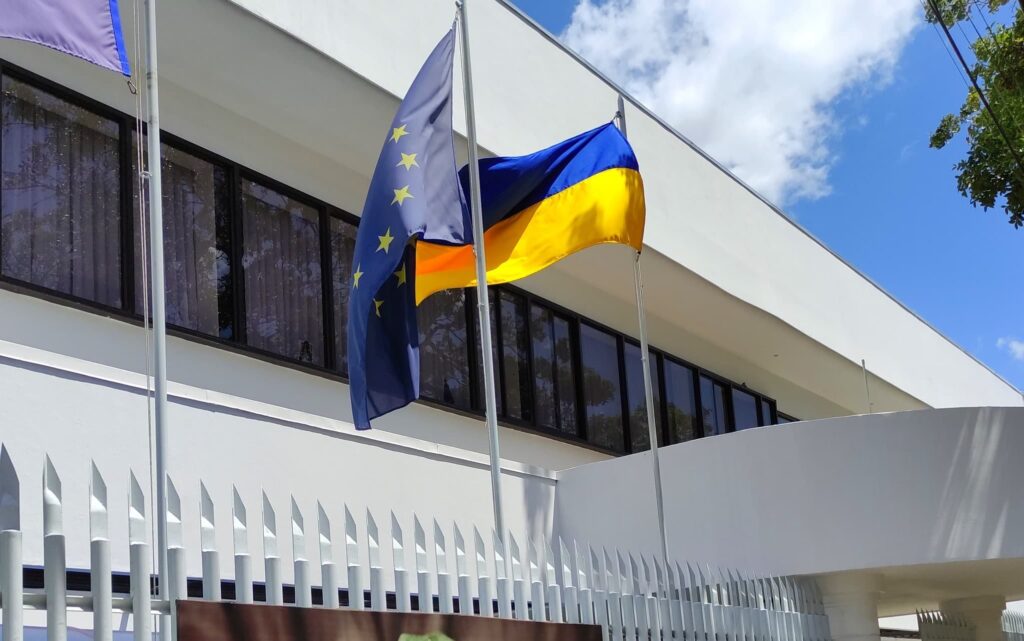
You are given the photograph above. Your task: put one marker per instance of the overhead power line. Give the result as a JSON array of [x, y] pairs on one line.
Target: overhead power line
[[977, 87]]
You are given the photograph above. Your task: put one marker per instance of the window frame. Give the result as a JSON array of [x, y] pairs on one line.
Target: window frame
[[125, 226], [326, 212]]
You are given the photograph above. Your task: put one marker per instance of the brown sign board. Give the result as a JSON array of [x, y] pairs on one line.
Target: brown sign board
[[227, 621]]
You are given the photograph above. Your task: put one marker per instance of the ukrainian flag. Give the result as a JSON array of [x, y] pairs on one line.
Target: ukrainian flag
[[542, 207]]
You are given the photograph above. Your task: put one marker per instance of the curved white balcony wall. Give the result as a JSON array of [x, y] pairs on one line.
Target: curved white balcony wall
[[930, 499]]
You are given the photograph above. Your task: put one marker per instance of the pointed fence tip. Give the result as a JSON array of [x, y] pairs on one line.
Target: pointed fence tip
[[10, 493]]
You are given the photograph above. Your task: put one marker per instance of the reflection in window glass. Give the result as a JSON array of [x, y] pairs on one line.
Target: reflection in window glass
[[481, 400], [712, 399], [444, 356], [680, 407], [767, 413], [281, 261], [744, 408], [515, 356], [602, 392], [197, 244], [60, 187], [343, 246], [553, 370], [636, 395]]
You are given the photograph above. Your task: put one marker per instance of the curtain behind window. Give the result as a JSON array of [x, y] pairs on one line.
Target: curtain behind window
[[444, 354], [60, 222], [343, 248], [197, 260], [281, 262]]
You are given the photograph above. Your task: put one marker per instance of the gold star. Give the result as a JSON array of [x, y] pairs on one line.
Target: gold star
[[408, 161], [377, 305], [401, 195], [385, 241], [356, 276], [400, 275], [398, 132]]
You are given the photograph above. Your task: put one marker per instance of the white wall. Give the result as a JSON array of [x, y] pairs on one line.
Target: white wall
[[833, 495], [75, 411]]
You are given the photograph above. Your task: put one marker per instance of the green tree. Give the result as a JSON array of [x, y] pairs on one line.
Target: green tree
[[991, 174]]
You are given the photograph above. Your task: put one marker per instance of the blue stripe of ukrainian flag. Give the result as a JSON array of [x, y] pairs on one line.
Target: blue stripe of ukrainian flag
[[542, 207]]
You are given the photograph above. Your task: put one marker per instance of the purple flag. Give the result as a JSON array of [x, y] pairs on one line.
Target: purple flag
[[87, 29]]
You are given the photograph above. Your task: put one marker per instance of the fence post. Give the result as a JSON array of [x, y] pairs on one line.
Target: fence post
[[99, 559], [502, 582], [522, 600], [271, 559], [483, 578], [602, 598], [462, 570], [208, 546], [425, 596], [54, 556], [378, 597], [139, 563], [303, 581], [11, 587], [243, 560], [583, 574], [554, 592], [444, 578], [538, 612], [444, 605], [177, 577], [356, 596], [403, 600], [328, 571], [571, 598]]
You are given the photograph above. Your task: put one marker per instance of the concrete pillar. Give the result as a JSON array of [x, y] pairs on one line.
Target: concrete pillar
[[985, 612], [851, 603]]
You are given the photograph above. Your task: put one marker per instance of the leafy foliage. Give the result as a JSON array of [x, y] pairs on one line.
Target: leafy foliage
[[991, 174]]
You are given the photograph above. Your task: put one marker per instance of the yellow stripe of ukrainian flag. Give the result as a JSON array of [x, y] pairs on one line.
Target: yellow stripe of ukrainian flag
[[607, 207]]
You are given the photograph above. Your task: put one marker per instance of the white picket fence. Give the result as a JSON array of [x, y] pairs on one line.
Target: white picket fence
[[619, 591], [1013, 625], [941, 626]]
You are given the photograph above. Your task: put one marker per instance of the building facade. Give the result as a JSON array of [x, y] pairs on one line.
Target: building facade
[[273, 114]]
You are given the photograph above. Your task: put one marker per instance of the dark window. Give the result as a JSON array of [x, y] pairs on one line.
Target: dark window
[[713, 406], [283, 295], [444, 355], [515, 356], [782, 419], [602, 390], [197, 244], [767, 412], [744, 407], [553, 370], [60, 186], [639, 432], [680, 407], [343, 244]]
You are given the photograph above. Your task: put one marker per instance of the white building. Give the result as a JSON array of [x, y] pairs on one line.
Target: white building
[[273, 113]]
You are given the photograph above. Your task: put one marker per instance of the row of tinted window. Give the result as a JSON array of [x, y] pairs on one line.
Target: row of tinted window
[[256, 264]]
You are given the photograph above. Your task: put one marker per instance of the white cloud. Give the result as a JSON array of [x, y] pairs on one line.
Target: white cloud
[[1013, 347], [753, 82]]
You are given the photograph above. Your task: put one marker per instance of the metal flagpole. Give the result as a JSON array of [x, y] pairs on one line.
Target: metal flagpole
[[645, 359], [483, 303], [156, 226]]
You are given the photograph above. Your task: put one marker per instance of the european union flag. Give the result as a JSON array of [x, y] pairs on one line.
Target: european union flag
[[415, 193]]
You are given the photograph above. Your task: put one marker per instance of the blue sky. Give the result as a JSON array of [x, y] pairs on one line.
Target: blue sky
[[892, 208]]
